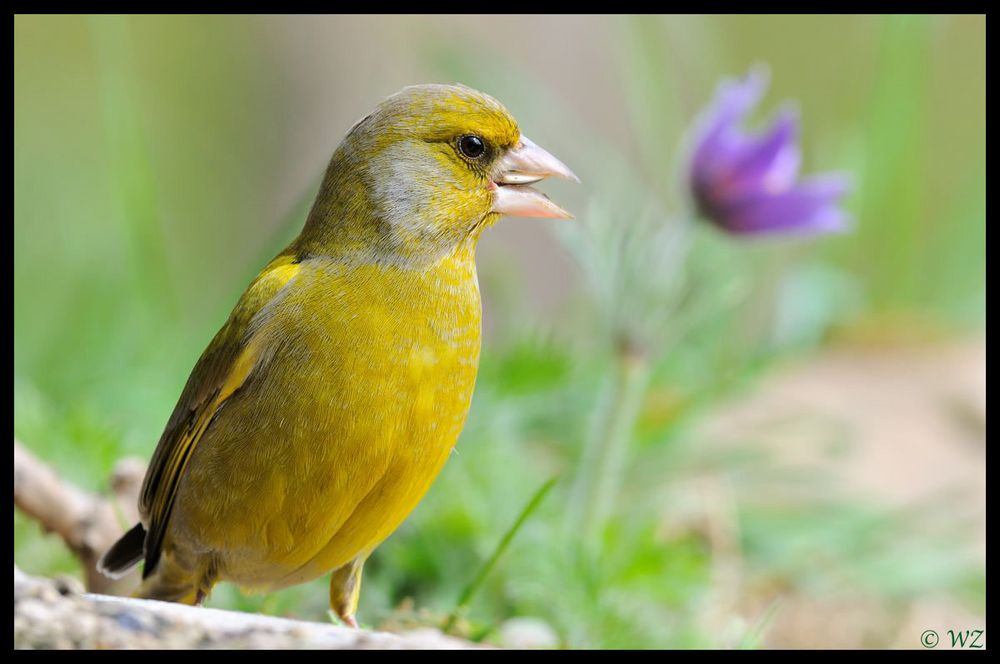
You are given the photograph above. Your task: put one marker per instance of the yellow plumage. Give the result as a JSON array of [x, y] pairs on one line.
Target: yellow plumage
[[329, 401]]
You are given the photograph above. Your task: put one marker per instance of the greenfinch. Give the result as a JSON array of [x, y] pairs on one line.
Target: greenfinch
[[322, 411]]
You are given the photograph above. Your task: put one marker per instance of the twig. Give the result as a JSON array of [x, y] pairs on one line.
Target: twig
[[87, 523], [47, 616]]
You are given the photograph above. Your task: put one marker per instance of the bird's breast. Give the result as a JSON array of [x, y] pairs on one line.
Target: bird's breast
[[397, 352], [399, 355]]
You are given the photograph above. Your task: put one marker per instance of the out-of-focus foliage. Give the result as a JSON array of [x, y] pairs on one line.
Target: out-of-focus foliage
[[160, 161]]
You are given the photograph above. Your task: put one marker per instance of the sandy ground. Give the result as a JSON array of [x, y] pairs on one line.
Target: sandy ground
[[909, 428]]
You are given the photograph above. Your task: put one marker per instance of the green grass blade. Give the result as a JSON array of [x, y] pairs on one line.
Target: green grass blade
[[470, 590]]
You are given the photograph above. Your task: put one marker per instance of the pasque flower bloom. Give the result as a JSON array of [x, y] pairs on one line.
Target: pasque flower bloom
[[748, 184]]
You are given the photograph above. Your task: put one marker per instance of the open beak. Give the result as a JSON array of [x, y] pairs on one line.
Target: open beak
[[524, 164]]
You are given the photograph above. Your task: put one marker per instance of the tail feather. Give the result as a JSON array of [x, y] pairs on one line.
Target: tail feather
[[124, 554], [168, 580]]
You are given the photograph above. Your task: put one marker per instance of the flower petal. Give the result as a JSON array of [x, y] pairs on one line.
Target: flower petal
[[746, 182], [719, 138], [770, 162], [809, 208]]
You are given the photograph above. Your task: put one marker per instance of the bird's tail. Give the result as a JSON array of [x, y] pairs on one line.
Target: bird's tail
[[168, 581], [124, 554]]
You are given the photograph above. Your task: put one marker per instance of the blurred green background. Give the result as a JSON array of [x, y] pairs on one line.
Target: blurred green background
[[807, 465]]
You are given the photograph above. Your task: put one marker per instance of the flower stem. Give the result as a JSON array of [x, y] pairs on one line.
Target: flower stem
[[600, 476]]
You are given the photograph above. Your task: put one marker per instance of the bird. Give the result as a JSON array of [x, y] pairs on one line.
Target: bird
[[324, 408]]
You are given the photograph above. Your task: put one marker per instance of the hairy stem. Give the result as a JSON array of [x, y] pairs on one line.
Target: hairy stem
[[600, 476]]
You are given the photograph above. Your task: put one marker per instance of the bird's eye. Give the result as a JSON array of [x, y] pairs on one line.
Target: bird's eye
[[472, 146]]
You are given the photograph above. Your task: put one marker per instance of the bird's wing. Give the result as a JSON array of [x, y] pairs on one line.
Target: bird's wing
[[235, 352]]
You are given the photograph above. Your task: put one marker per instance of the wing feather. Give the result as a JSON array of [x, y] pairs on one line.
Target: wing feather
[[224, 367]]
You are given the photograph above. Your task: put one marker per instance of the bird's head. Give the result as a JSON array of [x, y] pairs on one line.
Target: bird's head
[[428, 169]]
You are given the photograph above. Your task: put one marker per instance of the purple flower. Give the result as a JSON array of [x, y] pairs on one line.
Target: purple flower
[[747, 184]]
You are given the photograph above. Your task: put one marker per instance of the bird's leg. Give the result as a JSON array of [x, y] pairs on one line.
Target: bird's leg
[[345, 590]]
